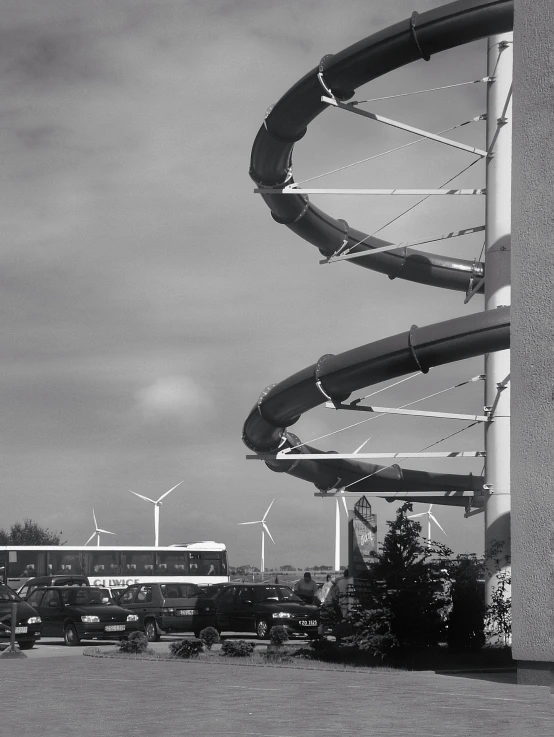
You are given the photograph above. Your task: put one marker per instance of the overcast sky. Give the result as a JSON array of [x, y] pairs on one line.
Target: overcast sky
[[147, 295]]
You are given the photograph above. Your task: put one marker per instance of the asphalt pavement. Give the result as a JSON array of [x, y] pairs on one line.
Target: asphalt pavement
[[76, 696]]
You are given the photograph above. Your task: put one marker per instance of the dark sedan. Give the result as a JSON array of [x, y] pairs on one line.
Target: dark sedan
[[259, 607], [28, 625], [81, 613], [169, 607]]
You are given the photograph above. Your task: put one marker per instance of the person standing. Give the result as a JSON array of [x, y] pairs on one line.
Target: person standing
[[325, 589], [306, 588], [341, 593]]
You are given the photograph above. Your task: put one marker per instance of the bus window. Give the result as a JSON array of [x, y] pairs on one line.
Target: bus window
[[207, 564], [24, 564], [103, 564], [67, 562], [172, 564], [137, 564]]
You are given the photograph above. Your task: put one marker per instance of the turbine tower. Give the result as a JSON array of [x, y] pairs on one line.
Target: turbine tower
[[430, 517], [337, 527], [97, 531], [265, 529], [157, 504]]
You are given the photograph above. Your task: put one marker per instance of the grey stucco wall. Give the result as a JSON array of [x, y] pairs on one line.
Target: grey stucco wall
[[532, 376]]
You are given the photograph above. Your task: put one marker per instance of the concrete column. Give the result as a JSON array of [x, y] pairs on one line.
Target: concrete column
[[497, 294], [532, 343]]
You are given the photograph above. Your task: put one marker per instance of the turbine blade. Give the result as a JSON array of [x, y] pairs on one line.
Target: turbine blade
[[435, 520], [362, 445], [106, 531], [266, 528], [256, 522], [421, 514], [430, 508], [146, 499], [90, 538], [265, 515], [94, 517], [169, 492]]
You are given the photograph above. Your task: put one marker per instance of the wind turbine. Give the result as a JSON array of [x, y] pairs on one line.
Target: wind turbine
[[157, 504], [429, 518], [97, 531], [265, 529], [337, 527]]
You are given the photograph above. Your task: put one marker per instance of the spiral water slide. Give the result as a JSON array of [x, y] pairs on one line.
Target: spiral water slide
[[335, 377]]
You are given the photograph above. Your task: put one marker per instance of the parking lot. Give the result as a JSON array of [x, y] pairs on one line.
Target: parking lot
[[49, 647]]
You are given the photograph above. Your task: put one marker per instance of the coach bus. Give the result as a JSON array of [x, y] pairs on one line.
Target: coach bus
[[116, 567]]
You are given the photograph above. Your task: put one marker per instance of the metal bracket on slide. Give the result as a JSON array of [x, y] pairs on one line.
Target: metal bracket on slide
[[413, 21], [322, 66], [474, 286]]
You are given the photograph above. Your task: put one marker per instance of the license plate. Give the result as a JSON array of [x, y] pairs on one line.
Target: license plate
[[186, 612], [20, 630], [308, 622], [114, 628]]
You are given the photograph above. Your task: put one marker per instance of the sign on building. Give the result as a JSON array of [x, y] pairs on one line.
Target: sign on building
[[362, 538]]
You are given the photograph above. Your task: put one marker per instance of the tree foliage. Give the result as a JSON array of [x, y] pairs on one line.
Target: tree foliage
[[411, 582], [29, 533], [405, 603], [466, 619]]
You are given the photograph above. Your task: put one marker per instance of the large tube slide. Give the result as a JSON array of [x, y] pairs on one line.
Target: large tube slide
[[281, 405]]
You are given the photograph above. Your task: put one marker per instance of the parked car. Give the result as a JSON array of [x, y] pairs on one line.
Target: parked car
[[257, 607], [212, 589], [59, 580], [81, 613], [169, 607], [28, 624]]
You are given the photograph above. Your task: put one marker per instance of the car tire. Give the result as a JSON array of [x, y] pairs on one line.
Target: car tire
[[151, 630], [25, 645], [262, 630], [71, 636]]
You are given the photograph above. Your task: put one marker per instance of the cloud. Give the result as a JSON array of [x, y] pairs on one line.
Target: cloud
[[173, 397]]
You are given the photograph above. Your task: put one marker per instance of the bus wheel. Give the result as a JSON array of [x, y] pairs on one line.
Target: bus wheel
[[151, 631], [71, 636]]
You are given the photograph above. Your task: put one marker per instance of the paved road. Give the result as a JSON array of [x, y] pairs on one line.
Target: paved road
[[88, 696]]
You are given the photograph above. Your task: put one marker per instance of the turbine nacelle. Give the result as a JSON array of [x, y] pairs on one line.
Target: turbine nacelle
[[157, 504], [97, 531], [265, 529]]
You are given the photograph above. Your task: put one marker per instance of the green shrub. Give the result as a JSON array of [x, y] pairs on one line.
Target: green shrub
[[136, 643], [321, 649], [237, 648], [209, 636], [186, 648], [278, 635], [371, 632]]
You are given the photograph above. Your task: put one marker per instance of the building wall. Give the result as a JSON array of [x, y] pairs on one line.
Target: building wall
[[532, 343]]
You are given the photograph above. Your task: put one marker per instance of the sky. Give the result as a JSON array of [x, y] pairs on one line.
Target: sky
[[147, 295]]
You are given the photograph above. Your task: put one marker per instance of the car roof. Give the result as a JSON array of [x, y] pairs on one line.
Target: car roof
[[255, 585]]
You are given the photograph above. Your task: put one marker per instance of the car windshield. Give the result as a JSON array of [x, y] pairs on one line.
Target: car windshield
[[7, 594], [289, 595], [277, 593], [84, 596], [180, 590]]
